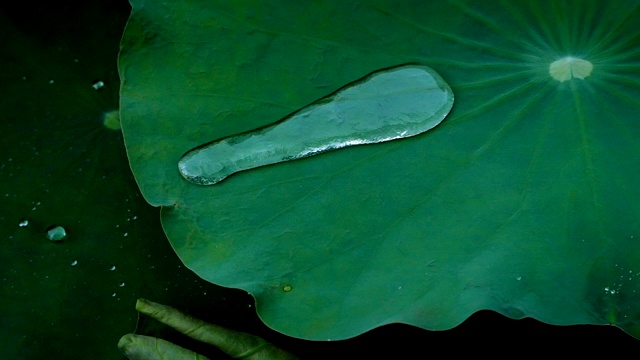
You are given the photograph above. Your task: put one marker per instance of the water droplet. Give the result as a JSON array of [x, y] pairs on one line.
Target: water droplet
[[51, 81], [23, 223], [74, 263], [97, 85], [287, 288], [113, 295], [56, 233], [570, 67], [112, 268], [126, 234], [121, 284], [519, 278], [415, 99]]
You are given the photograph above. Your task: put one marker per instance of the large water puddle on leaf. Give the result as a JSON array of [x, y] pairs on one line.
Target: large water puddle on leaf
[[386, 105]]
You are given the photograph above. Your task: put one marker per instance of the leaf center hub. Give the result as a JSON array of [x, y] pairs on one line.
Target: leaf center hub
[[570, 67]]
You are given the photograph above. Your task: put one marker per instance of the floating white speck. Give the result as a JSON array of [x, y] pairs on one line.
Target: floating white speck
[[23, 223], [121, 284], [98, 85], [74, 263], [113, 268]]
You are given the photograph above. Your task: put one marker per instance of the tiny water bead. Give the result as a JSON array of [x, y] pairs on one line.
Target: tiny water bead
[[385, 105], [287, 288], [23, 223], [610, 290], [56, 233], [97, 85], [570, 67]]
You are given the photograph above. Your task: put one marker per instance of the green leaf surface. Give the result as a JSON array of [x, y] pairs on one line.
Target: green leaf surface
[[523, 201]]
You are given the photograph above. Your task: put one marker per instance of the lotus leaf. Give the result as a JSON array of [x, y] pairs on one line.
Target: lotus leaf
[[524, 200]]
